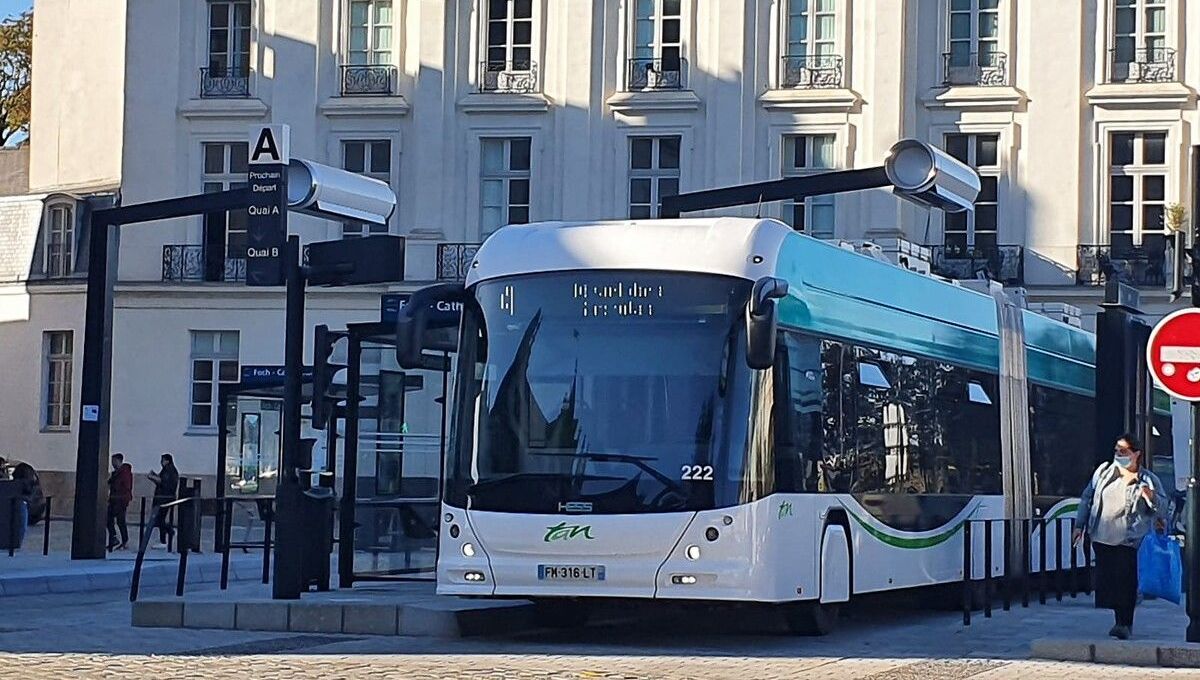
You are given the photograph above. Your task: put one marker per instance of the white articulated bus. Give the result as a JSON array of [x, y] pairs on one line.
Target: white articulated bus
[[726, 410]]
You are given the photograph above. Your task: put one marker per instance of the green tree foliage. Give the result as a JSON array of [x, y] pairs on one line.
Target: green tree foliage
[[16, 58]]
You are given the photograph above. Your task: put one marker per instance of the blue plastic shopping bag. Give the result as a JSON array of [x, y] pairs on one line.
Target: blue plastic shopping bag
[[1160, 567]]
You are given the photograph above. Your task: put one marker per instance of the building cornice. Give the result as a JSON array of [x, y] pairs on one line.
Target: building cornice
[[976, 98], [811, 100], [654, 100], [1142, 96], [250, 107], [365, 107], [504, 102]]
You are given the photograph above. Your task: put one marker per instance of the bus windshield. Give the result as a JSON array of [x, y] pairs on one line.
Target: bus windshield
[[603, 392]]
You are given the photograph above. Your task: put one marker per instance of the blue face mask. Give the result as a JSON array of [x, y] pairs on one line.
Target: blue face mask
[[1123, 461]]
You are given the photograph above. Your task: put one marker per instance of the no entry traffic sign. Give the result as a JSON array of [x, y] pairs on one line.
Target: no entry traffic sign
[[1173, 354]]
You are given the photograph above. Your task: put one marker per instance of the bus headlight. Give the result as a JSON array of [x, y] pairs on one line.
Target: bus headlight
[[474, 576], [693, 552], [468, 550]]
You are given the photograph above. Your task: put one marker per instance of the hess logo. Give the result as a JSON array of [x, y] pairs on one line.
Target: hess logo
[[566, 532]]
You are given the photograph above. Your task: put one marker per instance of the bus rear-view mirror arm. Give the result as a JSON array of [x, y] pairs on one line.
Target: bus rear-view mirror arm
[[413, 321], [762, 321]]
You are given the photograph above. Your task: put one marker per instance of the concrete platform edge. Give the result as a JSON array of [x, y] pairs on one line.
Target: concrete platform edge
[[1107, 652]]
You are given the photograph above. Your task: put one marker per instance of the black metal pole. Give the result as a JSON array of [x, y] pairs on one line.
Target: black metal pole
[[226, 519], [346, 517], [267, 522], [220, 537], [288, 578], [987, 568], [966, 583], [1006, 580], [1192, 542], [1074, 564], [46, 529], [13, 527], [1026, 543], [1058, 554], [1041, 560], [91, 453]]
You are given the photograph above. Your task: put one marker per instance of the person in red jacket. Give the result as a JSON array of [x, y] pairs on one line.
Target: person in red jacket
[[120, 495]]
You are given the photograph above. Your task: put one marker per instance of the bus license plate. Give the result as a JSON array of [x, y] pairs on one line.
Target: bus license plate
[[570, 572]]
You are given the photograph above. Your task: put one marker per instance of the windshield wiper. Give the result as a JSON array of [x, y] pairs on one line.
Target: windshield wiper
[[637, 461], [475, 486]]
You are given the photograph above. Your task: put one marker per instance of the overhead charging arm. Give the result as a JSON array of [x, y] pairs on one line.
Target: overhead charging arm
[[917, 172], [797, 188]]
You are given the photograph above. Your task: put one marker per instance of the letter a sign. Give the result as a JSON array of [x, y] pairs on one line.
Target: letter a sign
[[270, 151], [270, 145]]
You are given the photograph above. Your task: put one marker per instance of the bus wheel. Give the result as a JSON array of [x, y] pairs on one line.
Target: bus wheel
[[561, 613], [810, 618]]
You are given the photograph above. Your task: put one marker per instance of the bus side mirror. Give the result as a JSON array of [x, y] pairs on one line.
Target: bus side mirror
[[762, 322], [413, 321]]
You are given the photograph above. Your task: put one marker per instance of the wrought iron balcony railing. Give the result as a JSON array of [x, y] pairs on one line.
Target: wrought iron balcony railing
[[1005, 264], [657, 74], [454, 260], [1133, 265], [811, 71], [1147, 65], [508, 77], [987, 69], [224, 83], [363, 80], [194, 263]]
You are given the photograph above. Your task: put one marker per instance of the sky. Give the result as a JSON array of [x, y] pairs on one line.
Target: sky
[[10, 7]]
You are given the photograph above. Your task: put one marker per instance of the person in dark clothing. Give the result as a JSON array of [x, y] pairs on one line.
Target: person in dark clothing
[[166, 489], [120, 495], [31, 491]]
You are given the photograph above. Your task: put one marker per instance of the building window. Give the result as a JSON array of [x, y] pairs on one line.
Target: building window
[[228, 38], [504, 183], [976, 228], [1137, 192], [653, 174], [214, 362], [372, 158], [60, 240], [811, 27], [58, 347], [974, 56], [810, 35], [657, 61], [1139, 50], [225, 166], [509, 35], [807, 155], [370, 38]]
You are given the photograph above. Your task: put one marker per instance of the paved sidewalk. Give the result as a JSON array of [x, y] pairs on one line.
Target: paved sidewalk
[[1159, 631], [31, 573]]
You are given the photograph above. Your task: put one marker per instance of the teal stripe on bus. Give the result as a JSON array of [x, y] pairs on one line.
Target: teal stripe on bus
[[838, 293]]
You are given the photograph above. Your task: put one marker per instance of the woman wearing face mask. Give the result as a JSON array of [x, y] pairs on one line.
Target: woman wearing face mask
[[1117, 509]]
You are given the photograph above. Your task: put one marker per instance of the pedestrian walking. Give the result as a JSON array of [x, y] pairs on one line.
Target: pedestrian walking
[[120, 495], [166, 489], [1121, 503]]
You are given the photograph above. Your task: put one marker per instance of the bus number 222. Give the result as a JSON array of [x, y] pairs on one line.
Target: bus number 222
[[696, 473]]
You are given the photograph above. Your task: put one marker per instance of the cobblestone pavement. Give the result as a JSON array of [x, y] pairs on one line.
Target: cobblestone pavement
[[545, 667], [88, 635]]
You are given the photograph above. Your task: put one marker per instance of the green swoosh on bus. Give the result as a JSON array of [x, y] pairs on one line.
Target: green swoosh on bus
[[911, 543]]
